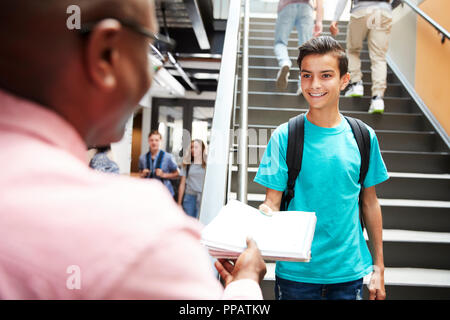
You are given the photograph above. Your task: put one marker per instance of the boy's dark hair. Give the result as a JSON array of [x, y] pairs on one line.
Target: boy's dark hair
[[323, 45], [155, 132]]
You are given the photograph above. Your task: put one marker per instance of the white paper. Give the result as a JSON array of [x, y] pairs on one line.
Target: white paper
[[286, 235]]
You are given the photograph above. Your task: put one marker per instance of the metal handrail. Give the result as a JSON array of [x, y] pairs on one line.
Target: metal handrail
[[438, 27], [243, 113], [215, 185]]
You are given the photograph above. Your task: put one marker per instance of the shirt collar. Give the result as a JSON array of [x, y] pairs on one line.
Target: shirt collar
[[39, 122]]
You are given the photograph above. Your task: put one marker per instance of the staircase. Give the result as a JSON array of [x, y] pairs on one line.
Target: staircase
[[415, 201]]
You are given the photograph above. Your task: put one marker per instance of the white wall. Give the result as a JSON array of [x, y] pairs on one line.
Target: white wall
[[402, 45]]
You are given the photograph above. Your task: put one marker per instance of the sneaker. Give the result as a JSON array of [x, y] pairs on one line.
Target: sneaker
[[355, 89], [282, 77], [376, 105]]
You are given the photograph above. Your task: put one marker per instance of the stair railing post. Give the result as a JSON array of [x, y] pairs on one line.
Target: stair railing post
[[243, 114]]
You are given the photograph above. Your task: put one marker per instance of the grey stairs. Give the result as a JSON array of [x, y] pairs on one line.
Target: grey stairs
[[415, 200]]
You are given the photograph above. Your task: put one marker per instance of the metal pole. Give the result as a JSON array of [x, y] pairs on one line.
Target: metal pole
[[243, 114]]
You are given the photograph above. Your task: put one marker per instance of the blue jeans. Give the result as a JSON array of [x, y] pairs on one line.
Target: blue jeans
[[291, 290], [299, 15], [190, 205]]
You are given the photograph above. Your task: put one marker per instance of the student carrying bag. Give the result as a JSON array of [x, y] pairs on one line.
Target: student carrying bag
[[157, 164], [296, 127]]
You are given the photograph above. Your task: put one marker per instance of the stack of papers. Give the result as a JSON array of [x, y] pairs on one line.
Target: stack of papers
[[285, 235]]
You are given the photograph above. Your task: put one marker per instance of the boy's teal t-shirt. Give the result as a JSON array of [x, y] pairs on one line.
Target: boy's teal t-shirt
[[327, 185]]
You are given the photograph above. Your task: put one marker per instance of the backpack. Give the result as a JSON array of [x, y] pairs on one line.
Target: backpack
[[296, 127]]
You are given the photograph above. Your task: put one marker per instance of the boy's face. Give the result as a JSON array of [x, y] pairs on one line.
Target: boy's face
[[321, 81], [154, 142]]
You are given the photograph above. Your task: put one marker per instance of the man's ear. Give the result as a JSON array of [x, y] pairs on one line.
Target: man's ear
[[345, 79], [102, 54]]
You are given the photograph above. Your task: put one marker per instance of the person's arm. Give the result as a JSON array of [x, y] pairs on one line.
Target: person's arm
[[340, 6], [176, 266], [172, 168], [167, 175], [374, 224], [143, 171], [181, 189], [272, 201], [318, 27]]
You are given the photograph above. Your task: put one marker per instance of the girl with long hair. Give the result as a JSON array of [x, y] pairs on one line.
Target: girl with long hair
[[192, 177]]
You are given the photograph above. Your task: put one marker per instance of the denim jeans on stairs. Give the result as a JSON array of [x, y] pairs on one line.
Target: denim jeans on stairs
[[299, 15]]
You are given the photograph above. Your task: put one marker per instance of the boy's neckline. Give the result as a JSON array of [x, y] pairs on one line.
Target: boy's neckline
[[324, 124], [336, 129]]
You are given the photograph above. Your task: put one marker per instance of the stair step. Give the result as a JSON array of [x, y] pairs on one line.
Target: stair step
[[388, 121], [396, 276], [420, 141], [271, 73], [292, 51], [271, 61], [399, 186], [397, 161], [397, 203], [291, 100], [416, 249], [416, 186], [417, 162], [292, 42], [414, 215], [265, 25], [392, 235], [264, 85], [272, 21], [400, 283], [270, 34]]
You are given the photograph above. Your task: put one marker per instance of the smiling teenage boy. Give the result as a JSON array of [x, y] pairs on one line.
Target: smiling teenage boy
[[328, 184]]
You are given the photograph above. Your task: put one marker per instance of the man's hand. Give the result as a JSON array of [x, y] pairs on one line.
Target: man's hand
[[249, 265], [376, 285], [318, 28], [334, 29]]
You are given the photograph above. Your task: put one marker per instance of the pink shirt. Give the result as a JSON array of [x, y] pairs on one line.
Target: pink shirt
[[68, 232]]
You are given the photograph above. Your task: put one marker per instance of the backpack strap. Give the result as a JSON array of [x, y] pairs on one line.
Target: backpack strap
[[159, 159], [362, 137], [157, 164], [294, 155], [187, 170], [148, 163]]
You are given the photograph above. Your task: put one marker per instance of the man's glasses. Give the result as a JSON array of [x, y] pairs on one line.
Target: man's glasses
[[158, 39]]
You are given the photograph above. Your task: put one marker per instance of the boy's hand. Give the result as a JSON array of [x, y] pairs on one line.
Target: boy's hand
[[145, 173], [264, 208], [249, 265], [376, 285], [334, 29], [159, 173]]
